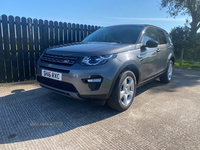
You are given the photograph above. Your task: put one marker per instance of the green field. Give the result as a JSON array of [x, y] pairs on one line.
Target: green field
[[188, 64]]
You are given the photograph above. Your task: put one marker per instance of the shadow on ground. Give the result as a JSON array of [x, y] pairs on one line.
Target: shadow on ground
[[22, 108]]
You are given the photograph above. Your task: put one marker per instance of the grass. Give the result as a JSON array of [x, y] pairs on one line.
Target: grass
[[188, 64]]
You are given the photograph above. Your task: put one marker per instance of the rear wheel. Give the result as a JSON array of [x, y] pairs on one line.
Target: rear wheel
[[166, 77], [124, 91]]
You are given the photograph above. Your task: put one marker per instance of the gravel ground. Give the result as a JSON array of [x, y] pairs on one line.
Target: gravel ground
[[162, 116]]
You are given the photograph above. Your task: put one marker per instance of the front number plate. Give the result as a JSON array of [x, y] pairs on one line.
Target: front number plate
[[52, 75]]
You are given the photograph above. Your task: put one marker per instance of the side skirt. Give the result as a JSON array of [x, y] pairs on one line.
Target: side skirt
[[150, 79]]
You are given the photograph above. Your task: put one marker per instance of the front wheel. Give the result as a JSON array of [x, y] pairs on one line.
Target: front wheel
[[166, 77], [124, 91]]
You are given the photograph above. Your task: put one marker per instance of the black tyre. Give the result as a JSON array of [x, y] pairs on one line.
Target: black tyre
[[123, 92], [166, 77]]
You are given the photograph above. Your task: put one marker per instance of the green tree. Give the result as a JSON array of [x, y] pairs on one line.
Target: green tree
[[183, 7], [180, 38], [185, 47]]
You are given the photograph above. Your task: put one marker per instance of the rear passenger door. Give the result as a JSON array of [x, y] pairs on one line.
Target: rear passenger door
[[162, 50]]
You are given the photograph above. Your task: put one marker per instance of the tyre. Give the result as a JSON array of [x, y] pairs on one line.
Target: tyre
[[166, 77], [123, 92]]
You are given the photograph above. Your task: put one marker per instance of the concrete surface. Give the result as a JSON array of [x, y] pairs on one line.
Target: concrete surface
[[162, 116]]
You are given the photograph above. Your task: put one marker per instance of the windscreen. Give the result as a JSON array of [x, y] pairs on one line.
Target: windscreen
[[118, 34]]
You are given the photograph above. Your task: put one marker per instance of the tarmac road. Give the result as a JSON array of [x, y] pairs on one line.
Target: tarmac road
[[162, 116]]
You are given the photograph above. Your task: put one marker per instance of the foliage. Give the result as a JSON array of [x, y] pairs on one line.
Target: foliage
[[182, 40], [183, 7], [188, 64]]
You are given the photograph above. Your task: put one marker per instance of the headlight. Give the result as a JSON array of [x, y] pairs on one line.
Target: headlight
[[97, 60]]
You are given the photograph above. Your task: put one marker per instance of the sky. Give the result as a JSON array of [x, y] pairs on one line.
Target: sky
[[94, 12]]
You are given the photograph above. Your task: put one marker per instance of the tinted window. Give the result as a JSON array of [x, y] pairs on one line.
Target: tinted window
[[119, 34], [150, 34], [161, 37]]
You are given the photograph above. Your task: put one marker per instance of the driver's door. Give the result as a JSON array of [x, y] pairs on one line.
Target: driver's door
[[148, 56]]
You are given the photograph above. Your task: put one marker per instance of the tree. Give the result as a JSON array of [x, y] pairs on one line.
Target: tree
[[183, 7], [180, 38]]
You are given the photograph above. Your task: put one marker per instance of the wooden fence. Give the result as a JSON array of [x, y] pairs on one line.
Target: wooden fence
[[22, 41]]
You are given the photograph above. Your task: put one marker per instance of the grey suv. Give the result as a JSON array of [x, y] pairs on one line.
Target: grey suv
[[108, 65]]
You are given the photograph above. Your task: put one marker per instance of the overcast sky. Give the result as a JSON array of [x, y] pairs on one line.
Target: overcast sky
[[94, 12]]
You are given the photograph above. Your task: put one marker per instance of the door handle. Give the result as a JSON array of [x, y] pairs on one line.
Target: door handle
[[138, 56], [158, 50]]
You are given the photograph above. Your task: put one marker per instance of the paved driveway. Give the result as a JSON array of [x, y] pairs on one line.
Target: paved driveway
[[162, 116]]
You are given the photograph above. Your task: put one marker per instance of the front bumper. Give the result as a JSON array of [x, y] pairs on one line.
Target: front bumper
[[74, 75]]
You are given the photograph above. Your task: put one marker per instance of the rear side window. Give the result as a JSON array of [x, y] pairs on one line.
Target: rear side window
[[150, 34], [161, 37]]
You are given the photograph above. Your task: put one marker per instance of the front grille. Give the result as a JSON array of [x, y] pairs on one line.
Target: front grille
[[57, 84], [67, 60]]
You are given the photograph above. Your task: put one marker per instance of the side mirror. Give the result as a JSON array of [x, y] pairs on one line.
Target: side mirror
[[151, 43]]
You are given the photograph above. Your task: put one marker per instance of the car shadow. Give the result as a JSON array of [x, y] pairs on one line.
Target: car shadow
[[40, 113]]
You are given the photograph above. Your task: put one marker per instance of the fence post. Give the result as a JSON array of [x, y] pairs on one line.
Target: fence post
[[85, 31], [51, 33], [6, 48], [61, 32], [13, 49], [46, 35], [2, 66], [19, 49], [56, 32], [181, 59], [41, 36], [36, 40], [25, 48], [81, 32], [65, 33], [77, 33], [31, 52], [69, 33], [73, 33], [89, 27]]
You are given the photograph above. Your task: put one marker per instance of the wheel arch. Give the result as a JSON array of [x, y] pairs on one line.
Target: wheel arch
[[129, 65], [134, 69]]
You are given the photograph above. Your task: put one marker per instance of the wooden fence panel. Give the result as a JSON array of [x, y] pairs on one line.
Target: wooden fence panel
[[19, 49], [32, 59], [13, 49], [25, 48], [2, 66], [6, 48], [24, 40], [36, 42]]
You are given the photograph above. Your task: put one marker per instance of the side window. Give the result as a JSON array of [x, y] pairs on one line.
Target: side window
[[150, 34], [161, 37]]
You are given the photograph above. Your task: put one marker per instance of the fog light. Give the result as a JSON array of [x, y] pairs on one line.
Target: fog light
[[93, 80]]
